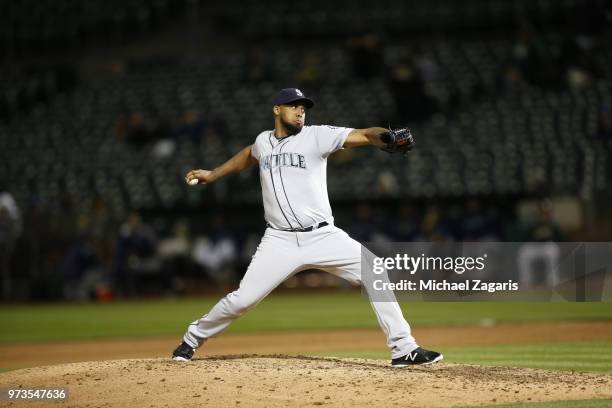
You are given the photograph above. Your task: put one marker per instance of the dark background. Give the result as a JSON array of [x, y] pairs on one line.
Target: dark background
[[105, 105]]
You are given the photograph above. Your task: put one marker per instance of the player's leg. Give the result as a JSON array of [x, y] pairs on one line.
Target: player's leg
[[337, 253], [274, 261]]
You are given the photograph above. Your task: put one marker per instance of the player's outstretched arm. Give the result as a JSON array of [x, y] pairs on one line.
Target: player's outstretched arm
[[390, 140], [365, 137], [241, 161]]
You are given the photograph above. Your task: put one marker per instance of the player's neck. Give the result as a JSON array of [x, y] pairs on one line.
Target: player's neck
[[280, 132]]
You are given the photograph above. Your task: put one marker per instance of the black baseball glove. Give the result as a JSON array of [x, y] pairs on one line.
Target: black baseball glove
[[397, 141]]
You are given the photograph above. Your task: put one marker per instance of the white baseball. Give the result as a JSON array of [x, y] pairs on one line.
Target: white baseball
[[193, 182]]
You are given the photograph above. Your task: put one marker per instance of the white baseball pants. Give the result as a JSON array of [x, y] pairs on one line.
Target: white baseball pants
[[282, 254]]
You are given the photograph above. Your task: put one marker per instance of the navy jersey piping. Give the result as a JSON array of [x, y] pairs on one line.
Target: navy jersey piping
[[274, 188], [280, 173]]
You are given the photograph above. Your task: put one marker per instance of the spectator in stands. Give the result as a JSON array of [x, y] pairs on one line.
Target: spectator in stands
[[175, 252], [217, 251], [366, 55], [136, 256], [544, 228], [137, 133], [179, 244], [82, 270], [139, 130], [539, 62], [547, 233], [10, 230], [433, 226], [577, 59], [578, 78], [191, 126], [363, 227], [408, 88], [478, 223]]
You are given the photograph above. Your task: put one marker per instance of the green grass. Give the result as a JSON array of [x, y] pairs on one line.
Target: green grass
[[314, 311], [585, 356], [594, 403], [575, 356]]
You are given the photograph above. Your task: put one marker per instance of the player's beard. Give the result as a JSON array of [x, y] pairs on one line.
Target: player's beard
[[290, 128]]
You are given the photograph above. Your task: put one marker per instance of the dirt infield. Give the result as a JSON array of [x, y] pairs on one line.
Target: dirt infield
[[23, 354], [269, 379], [281, 381]]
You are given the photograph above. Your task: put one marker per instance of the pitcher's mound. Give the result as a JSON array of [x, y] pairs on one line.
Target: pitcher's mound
[[281, 381]]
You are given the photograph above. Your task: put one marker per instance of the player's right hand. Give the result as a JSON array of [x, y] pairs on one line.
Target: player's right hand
[[203, 176]]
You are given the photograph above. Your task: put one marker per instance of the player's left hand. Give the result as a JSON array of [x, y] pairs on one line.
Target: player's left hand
[[397, 141]]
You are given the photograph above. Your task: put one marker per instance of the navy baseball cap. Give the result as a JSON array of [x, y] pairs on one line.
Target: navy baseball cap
[[288, 95]]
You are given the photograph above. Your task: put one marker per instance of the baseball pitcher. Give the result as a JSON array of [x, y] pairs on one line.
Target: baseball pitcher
[[300, 232]]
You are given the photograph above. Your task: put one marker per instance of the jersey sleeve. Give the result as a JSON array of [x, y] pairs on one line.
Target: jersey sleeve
[[330, 139], [255, 151]]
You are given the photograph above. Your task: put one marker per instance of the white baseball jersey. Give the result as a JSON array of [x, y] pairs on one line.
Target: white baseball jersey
[[293, 174]]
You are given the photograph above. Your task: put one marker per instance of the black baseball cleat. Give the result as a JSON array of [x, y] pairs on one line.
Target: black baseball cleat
[[418, 356], [184, 352]]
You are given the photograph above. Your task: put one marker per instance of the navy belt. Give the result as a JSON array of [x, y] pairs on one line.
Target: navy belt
[[307, 229]]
